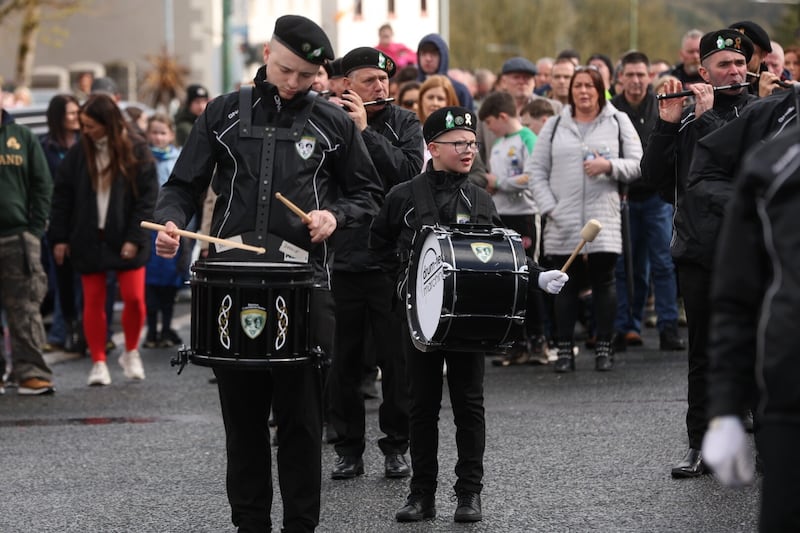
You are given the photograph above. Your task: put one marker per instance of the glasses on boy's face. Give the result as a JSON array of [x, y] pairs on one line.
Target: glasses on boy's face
[[462, 147]]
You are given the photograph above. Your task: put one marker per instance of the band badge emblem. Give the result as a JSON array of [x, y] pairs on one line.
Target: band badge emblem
[[483, 251], [253, 319], [305, 146], [13, 143]]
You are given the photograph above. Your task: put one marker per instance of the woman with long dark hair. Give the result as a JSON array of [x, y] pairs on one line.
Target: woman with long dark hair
[[63, 131], [105, 187]]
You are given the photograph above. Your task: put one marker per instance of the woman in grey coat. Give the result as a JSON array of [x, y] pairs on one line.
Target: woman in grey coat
[[579, 160]]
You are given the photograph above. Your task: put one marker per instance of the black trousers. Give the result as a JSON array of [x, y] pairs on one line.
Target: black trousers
[[366, 298], [777, 446], [695, 284], [599, 272], [294, 393], [465, 372]]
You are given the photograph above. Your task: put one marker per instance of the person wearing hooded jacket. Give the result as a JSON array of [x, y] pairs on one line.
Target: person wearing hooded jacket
[[433, 57], [274, 137]]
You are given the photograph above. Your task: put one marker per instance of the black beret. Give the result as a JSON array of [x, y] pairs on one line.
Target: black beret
[[335, 68], [446, 119], [725, 39], [366, 57], [755, 32], [303, 37]]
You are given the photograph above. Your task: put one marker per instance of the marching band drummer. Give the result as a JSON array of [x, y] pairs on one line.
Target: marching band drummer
[[443, 195], [274, 137]]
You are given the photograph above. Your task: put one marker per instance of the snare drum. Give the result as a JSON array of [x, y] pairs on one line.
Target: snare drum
[[250, 314], [467, 288]]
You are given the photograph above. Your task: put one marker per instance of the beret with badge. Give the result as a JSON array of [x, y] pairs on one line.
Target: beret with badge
[[725, 39], [754, 32], [304, 38], [446, 119], [366, 57]]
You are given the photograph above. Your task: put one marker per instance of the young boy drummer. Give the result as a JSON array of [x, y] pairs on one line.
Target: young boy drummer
[[443, 195]]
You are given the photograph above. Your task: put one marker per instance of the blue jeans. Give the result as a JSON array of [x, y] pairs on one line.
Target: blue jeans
[[650, 234]]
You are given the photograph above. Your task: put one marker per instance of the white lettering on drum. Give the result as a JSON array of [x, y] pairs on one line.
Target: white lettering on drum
[[431, 270]]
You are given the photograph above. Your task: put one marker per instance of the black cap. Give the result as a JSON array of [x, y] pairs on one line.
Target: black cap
[[446, 119], [755, 32], [725, 39], [519, 64], [366, 57], [194, 92], [303, 37]]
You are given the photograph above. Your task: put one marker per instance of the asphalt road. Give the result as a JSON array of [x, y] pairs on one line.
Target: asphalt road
[[580, 452]]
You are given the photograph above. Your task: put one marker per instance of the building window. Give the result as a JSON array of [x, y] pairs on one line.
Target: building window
[[391, 7], [423, 5], [358, 11]]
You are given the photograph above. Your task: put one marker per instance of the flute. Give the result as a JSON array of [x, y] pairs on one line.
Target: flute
[[379, 101], [779, 83], [688, 92]]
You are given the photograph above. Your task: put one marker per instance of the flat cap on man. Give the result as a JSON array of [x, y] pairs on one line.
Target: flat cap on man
[[518, 64], [754, 32], [366, 57], [446, 119], [303, 37], [725, 39]]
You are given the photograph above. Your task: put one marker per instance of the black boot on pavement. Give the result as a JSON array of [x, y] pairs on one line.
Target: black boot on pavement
[[396, 466], [469, 507], [347, 467], [604, 356], [566, 358], [670, 339], [691, 466], [419, 506]]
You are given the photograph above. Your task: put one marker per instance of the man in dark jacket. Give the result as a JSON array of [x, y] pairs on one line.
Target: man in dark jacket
[[274, 137], [196, 101], [433, 57], [24, 208], [756, 300], [650, 225], [666, 163], [364, 294]]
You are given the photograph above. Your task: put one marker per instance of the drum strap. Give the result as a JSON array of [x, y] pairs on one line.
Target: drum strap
[[269, 136], [425, 206]]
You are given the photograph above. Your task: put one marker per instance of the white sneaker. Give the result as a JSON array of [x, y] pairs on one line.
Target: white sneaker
[[99, 374], [131, 364]]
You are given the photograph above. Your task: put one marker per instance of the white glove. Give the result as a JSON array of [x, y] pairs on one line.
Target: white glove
[[726, 452], [552, 281]]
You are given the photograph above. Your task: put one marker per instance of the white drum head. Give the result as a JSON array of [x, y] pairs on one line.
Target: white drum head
[[429, 289]]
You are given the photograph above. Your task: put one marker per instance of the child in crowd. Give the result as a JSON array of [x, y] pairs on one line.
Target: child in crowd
[[443, 195], [163, 277], [535, 113], [513, 198]]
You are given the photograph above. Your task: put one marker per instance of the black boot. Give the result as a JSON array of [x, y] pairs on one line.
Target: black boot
[[566, 358], [604, 356]]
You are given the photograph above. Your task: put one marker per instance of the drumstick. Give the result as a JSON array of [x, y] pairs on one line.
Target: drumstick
[[208, 238], [588, 233], [293, 208]]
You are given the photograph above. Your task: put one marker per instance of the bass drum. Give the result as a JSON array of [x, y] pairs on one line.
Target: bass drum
[[467, 288]]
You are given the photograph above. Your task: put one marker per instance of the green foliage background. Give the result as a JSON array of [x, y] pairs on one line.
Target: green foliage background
[[484, 33]]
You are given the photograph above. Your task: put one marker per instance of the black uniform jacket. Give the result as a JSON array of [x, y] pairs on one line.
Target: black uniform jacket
[[325, 166], [669, 149], [73, 219], [394, 140], [717, 160], [756, 289]]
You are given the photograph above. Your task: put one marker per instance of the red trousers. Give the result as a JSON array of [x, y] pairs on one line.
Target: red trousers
[[131, 288]]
